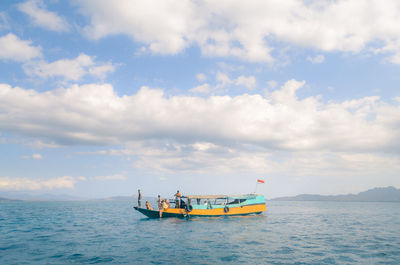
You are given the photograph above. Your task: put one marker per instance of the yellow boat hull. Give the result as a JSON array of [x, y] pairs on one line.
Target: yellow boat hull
[[177, 212]]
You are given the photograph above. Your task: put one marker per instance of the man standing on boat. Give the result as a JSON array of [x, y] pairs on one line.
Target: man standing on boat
[[178, 197], [159, 201], [139, 198]]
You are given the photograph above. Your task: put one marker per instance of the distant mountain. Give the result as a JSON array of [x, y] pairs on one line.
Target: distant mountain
[[388, 194], [116, 198], [55, 197], [126, 198], [7, 200], [33, 196]]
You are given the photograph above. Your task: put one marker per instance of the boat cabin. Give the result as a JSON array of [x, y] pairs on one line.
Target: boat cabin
[[220, 201]]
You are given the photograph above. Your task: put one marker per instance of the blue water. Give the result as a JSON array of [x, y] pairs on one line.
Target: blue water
[[113, 233]]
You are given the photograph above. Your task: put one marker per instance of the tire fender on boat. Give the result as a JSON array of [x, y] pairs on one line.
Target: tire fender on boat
[[189, 208], [226, 209]]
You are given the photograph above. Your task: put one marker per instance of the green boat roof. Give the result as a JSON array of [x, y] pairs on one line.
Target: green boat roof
[[245, 196], [205, 196]]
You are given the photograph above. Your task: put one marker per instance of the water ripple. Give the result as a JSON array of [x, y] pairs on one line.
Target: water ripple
[[112, 233]]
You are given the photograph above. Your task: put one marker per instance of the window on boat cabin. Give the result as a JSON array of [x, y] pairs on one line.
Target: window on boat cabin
[[235, 201], [200, 201], [219, 202]]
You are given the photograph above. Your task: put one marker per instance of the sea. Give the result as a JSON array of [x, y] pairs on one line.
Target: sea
[[112, 232]]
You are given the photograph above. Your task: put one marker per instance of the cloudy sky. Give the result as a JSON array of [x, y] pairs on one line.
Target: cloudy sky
[[99, 98]]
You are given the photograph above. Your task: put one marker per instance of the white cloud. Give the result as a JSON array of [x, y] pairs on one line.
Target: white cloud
[[250, 30], [223, 79], [37, 144], [37, 156], [246, 81], [242, 161], [317, 59], [112, 177], [201, 77], [112, 152], [15, 49], [204, 89], [95, 113], [272, 83], [101, 71], [161, 25], [69, 69], [218, 133], [66, 182], [41, 17], [8, 183], [4, 25], [34, 156]]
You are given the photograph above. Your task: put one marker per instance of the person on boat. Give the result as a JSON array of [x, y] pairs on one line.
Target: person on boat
[[139, 198], [178, 196], [168, 203], [159, 201], [160, 208], [148, 206], [163, 207]]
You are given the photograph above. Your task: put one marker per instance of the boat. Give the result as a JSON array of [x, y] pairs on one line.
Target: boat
[[211, 206]]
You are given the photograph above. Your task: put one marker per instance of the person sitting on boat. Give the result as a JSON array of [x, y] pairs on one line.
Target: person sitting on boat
[[148, 206], [163, 207], [165, 204], [168, 203], [178, 196]]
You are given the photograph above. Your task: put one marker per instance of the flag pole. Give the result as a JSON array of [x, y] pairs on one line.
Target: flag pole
[[258, 181]]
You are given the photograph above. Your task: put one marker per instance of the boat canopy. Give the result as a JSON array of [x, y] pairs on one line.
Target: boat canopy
[[246, 196], [205, 196]]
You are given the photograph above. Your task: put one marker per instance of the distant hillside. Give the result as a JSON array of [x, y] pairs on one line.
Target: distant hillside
[[26, 196], [32, 196], [125, 198], [388, 194], [7, 200]]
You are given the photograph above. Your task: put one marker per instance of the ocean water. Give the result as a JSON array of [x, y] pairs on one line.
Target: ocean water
[[113, 233]]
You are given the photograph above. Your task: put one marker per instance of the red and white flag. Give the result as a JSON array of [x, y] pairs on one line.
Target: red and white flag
[[260, 181]]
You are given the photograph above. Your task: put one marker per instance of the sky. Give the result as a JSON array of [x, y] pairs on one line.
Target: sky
[[99, 98]]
